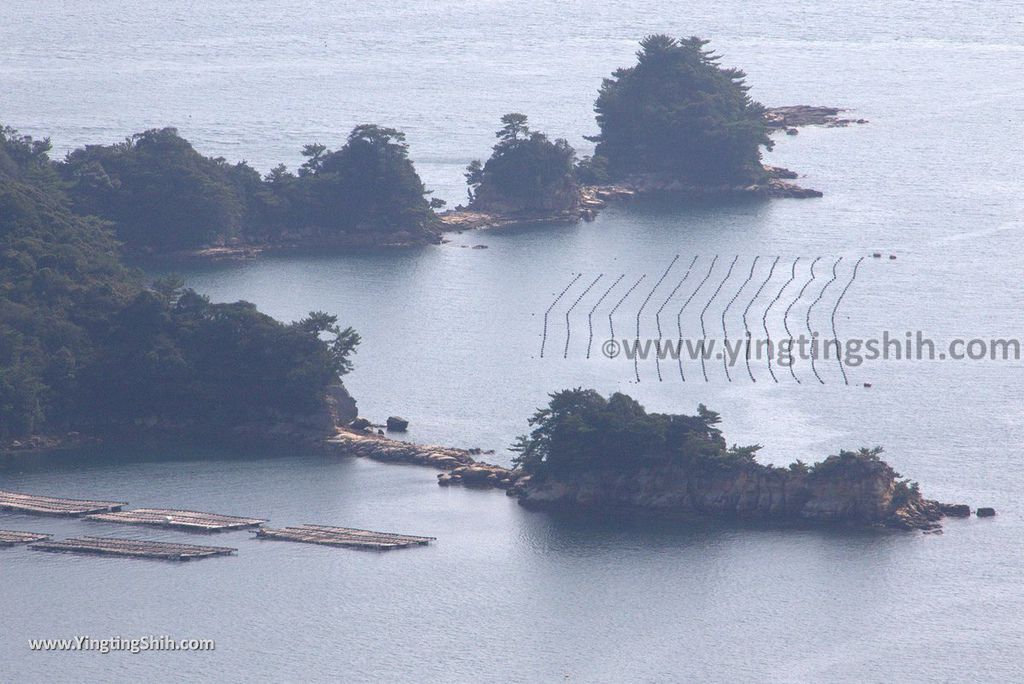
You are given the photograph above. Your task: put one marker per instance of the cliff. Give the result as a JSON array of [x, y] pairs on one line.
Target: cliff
[[869, 494]]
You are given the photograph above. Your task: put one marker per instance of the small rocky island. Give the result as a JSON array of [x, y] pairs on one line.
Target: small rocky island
[[676, 123], [587, 451], [591, 453]]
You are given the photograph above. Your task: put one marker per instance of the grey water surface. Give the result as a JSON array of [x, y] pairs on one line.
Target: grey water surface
[[452, 339]]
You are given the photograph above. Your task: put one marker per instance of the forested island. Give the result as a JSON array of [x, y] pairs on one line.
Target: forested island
[[591, 452], [88, 349], [675, 122], [588, 453], [84, 340], [162, 196]]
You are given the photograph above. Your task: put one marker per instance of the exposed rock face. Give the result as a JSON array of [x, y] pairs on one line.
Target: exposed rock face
[[379, 448], [788, 118], [562, 198], [460, 219], [772, 185], [397, 424], [864, 497], [479, 474], [341, 404]]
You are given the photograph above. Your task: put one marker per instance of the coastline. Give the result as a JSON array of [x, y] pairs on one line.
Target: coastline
[[747, 494], [592, 198], [741, 495]]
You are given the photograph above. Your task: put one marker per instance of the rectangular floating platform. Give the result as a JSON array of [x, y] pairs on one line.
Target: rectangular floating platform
[[48, 505], [346, 537], [193, 521], [12, 537], [132, 548]]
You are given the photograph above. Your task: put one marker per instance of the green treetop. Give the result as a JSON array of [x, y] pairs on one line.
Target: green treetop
[[678, 112]]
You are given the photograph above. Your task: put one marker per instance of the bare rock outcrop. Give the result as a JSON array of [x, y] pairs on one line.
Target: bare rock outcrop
[[867, 494]]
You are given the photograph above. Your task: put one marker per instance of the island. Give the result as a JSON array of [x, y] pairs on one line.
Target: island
[[588, 453], [89, 350], [675, 123], [163, 197]]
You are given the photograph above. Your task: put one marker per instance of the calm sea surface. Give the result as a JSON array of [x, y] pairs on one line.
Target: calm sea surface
[[452, 339]]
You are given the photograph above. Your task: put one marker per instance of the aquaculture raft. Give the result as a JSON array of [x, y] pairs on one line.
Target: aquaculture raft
[[48, 505], [132, 548], [11, 537], [193, 521], [343, 536]]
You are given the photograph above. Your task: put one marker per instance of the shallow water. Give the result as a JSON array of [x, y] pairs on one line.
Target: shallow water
[[452, 339]]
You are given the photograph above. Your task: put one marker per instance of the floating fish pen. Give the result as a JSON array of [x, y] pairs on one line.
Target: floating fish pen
[[132, 548], [192, 521], [12, 537], [48, 505], [343, 536]]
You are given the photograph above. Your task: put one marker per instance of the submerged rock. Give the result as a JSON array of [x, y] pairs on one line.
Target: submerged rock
[[956, 510]]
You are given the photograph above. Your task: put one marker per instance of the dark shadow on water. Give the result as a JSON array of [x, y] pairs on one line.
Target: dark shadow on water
[[591, 531], [106, 455]]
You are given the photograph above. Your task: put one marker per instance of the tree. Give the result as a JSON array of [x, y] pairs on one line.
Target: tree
[[526, 172], [314, 153], [369, 185], [162, 195], [678, 112], [514, 125], [157, 190], [474, 177], [581, 430], [84, 345]]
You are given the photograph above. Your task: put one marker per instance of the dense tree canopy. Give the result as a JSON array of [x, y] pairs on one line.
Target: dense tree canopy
[[84, 346], [157, 190], [678, 112], [526, 171], [581, 430], [161, 194], [368, 185]]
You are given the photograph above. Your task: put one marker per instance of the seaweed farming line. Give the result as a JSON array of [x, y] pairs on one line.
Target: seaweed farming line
[[568, 325], [590, 315], [544, 336], [657, 315], [817, 299], [711, 268], [703, 332], [835, 335], [725, 311], [746, 327], [611, 314], [582, 293], [639, 312]]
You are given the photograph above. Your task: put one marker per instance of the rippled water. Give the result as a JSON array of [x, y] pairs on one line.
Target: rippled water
[[452, 338]]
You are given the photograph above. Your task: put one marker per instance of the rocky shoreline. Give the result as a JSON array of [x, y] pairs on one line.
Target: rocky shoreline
[[592, 198], [238, 250], [865, 499]]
